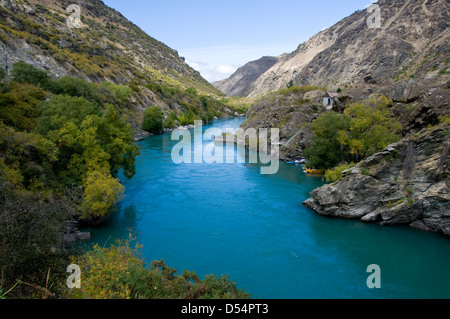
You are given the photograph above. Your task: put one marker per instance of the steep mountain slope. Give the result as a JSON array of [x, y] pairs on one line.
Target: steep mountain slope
[[240, 83], [413, 42], [104, 47], [99, 45]]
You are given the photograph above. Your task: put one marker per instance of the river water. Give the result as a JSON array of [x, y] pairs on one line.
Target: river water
[[230, 219]]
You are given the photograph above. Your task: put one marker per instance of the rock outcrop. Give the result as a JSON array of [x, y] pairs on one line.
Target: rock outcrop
[[407, 183], [292, 112]]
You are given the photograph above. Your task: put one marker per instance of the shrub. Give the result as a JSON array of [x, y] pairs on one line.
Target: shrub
[[118, 272], [365, 171], [120, 92], [18, 106], [31, 235], [153, 120], [187, 118], [77, 87], [26, 73], [101, 193], [191, 91]]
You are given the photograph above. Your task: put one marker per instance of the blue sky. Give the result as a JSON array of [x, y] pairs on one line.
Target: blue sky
[[218, 36]]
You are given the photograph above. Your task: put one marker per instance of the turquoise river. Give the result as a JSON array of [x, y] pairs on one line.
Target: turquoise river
[[230, 219]]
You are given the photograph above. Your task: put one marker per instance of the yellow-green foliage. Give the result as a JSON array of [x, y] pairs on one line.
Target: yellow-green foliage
[[335, 174], [445, 119], [238, 104], [95, 144], [118, 272], [371, 127], [297, 89], [101, 193], [18, 106]]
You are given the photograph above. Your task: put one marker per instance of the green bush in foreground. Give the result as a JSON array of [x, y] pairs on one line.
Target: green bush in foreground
[[118, 273]]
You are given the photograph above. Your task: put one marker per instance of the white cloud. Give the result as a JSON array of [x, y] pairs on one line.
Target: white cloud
[[212, 72], [218, 63], [226, 69]]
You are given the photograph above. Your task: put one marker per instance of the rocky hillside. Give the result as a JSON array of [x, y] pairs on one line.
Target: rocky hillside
[[104, 47], [407, 183], [241, 82], [413, 42]]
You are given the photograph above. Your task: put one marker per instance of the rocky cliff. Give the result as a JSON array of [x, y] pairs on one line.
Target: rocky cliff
[[290, 110], [413, 42], [407, 183]]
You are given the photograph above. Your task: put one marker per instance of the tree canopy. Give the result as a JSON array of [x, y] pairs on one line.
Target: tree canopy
[[153, 120], [362, 130]]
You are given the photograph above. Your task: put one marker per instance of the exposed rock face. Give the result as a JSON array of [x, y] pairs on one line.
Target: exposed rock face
[[407, 183], [413, 41], [242, 81], [291, 113]]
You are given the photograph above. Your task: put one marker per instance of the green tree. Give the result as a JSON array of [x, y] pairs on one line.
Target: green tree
[[372, 128], [326, 151], [94, 144], [153, 120], [364, 129]]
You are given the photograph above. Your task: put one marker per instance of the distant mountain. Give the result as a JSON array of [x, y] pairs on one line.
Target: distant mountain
[[412, 43], [241, 82]]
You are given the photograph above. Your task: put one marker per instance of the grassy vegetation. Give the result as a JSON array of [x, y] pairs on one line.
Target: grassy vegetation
[[335, 174]]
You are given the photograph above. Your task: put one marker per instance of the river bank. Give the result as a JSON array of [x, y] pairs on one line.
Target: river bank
[[231, 219]]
